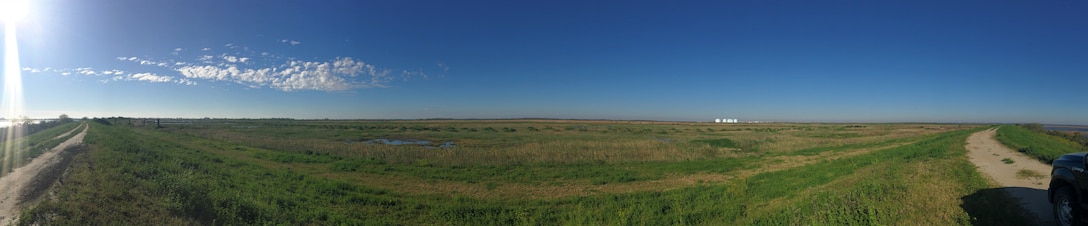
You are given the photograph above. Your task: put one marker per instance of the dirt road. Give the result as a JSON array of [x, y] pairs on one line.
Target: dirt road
[[28, 183], [1023, 177]]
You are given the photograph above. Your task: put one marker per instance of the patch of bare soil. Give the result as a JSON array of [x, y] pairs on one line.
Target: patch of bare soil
[[28, 183], [1022, 176]]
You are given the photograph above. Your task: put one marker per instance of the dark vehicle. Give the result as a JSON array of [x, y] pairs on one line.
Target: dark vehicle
[[1068, 186]]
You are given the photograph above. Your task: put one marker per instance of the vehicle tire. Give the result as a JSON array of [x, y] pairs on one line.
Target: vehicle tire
[[1067, 211]]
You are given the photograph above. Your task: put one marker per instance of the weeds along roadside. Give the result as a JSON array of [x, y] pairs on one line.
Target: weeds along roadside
[[1040, 146]]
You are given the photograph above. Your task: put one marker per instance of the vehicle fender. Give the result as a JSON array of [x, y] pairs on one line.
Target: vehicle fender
[[1061, 176]]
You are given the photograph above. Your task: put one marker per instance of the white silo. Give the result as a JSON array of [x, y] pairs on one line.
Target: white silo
[[717, 120]]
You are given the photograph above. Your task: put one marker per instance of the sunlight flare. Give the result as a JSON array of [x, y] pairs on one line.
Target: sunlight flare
[[13, 86], [12, 11]]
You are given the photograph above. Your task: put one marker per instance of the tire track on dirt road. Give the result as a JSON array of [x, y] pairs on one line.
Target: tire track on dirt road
[[1012, 175], [25, 183]]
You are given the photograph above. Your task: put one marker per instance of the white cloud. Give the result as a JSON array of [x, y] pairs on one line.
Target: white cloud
[[205, 49], [185, 82], [151, 77], [203, 72], [231, 59], [337, 75], [86, 71], [253, 69]]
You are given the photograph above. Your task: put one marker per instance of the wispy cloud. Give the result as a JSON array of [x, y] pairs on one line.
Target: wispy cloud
[[444, 67], [252, 69]]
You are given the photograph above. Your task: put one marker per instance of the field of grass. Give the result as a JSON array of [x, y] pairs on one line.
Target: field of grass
[[524, 173], [1041, 146]]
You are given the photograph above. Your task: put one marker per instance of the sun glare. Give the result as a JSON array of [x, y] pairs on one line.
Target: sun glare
[[12, 11]]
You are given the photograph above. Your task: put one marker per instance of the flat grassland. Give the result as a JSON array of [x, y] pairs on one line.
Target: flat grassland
[[523, 172]]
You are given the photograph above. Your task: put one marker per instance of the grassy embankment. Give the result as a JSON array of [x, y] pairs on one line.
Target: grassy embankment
[[30, 146], [309, 173], [1041, 146]]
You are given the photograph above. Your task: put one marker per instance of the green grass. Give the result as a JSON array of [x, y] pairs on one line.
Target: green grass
[[1026, 173], [31, 146], [1008, 161], [142, 176], [1041, 146]]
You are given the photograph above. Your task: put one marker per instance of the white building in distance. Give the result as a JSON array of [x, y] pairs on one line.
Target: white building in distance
[[726, 120]]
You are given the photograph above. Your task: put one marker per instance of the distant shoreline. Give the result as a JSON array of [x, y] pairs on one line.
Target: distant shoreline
[[1067, 128]]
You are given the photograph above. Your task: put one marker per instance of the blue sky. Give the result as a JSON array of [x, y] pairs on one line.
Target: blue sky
[[879, 61]]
